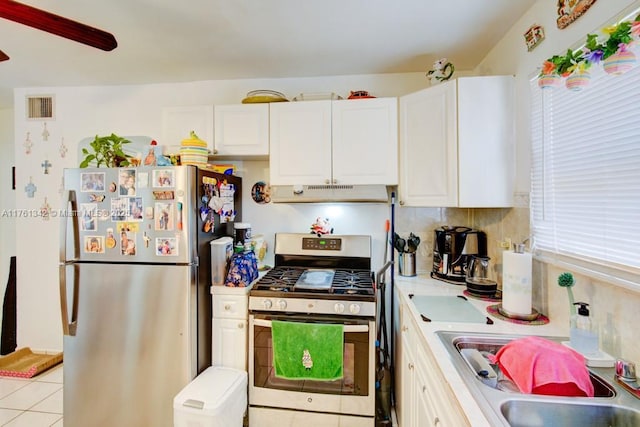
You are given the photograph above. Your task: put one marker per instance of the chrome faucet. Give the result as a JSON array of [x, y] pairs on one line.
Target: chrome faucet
[[626, 377]]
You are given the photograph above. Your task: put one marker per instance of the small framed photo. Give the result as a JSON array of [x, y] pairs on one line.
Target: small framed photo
[[127, 242], [92, 181], [163, 178], [127, 182], [119, 208], [88, 216], [136, 209], [166, 246], [163, 215], [94, 244]]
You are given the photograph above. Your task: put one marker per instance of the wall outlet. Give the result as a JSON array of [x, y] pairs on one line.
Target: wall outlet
[[506, 243]]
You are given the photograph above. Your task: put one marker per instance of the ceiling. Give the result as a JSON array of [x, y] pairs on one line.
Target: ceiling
[[164, 41]]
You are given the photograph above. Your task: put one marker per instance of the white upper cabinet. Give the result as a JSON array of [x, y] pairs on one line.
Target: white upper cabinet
[[241, 130], [365, 141], [457, 144], [345, 142], [178, 122], [300, 143]]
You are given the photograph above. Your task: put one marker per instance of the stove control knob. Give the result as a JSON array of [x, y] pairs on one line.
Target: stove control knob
[[267, 303], [354, 308], [339, 308], [282, 304]]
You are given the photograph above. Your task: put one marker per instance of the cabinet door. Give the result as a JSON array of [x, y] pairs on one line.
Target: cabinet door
[[428, 149], [365, 141], [405, 380], [241, 130], [440, 404], [486, 139], [300, 143], [425, 412], [229, 343], [178, 122]]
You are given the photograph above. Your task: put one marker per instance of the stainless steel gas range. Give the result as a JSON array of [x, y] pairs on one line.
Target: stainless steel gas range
[[316, 281]]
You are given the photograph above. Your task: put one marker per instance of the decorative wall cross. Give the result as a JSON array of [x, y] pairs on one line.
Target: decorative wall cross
[[45, 133], [63, 149], [28, 144], [46, 165], [30, 188]]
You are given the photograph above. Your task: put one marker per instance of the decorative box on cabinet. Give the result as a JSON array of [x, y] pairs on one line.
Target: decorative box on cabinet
[[230, 310], [457, 144], [346, 142], [241, 130]]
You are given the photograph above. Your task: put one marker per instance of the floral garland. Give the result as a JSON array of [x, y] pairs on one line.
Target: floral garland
[[614, 53]]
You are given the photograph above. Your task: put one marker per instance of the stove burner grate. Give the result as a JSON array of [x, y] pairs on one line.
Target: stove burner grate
[[281, 279], [352, 282], [345, 282]]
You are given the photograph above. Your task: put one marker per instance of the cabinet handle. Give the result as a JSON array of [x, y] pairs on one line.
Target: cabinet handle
[[326, 181], [227, 307], [240, 325], [410, 365], [334, 181], [424, 388], [436, 421], [405, 328], [401, 202]]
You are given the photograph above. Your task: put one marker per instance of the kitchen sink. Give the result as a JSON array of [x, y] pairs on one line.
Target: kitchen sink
[[481, 346], [528, 413], [504, 405]]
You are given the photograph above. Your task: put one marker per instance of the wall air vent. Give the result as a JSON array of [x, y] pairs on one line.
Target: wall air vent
[[40, 107], [329, 193], [330, 187]]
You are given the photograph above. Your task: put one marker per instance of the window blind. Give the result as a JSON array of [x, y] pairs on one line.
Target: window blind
[[585, 177]]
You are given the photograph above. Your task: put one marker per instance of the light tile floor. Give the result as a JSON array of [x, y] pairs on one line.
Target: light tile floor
[[32, 402], [37, 402]]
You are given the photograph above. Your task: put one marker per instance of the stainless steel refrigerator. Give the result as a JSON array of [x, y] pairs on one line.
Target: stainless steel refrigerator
[[135, 282]]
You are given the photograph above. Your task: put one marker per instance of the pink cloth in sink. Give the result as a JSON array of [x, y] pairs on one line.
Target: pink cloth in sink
[[540, 366]]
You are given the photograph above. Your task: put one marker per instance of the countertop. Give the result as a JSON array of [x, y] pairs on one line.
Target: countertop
[[423, 284]]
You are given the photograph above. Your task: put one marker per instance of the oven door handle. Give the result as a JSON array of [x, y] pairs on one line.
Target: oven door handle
[[345, 328]]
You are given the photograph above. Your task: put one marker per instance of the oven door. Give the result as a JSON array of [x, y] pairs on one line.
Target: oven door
[[353, 394]]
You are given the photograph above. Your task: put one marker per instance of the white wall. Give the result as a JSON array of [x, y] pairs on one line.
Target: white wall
[[613, 308], [510, 56], [7, 199], [137, 110]]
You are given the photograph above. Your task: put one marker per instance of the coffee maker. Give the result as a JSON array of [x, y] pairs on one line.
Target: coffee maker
[[453, 247]]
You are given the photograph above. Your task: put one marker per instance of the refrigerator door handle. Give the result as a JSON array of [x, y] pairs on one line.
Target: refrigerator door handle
[[70, 200], [69, 325]]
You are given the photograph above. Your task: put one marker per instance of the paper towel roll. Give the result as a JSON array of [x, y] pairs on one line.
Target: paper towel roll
[[516, 282]]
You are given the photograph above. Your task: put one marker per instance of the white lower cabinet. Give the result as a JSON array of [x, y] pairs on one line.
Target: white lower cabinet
[[423, 396], [229, 327]]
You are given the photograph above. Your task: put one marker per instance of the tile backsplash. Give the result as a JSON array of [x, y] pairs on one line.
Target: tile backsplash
[[614, 309], [500, 224]]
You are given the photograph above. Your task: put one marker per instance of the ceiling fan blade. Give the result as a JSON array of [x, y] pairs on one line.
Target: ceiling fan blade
[[3, 56], [57, 25]]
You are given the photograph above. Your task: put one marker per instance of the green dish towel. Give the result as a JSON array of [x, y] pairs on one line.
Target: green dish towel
[[307, 351]]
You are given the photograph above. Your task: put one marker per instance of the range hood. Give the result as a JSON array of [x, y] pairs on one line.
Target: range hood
[[329, 193]]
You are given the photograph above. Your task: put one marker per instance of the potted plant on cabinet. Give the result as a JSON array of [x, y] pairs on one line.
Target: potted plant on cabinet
[[107, 152]]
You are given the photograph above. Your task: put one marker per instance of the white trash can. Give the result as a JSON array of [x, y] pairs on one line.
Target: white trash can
[[215, 398]]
